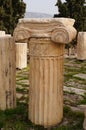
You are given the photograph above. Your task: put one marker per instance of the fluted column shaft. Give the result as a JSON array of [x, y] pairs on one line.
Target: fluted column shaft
[[46, 81]]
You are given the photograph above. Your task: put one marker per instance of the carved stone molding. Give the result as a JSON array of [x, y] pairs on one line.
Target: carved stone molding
[[60, 30], [63, 34]]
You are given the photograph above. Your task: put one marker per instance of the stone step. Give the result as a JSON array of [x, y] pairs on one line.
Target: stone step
[[82, 76], [74, 90]]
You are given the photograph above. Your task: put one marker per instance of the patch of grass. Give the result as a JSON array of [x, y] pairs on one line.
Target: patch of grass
[[16, 126], [75, 120], [23, 99], [72, 93], [17, 119], [78, 78], [68, 113], [12, 116], [72, 70], [22, 78], [67, 77], [79, 61], [22, 84], [2, 118], [22, 90], [82, 70], [83, 101]]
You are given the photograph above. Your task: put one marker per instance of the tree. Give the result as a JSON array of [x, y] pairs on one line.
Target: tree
[[73, 9], [10, 12]]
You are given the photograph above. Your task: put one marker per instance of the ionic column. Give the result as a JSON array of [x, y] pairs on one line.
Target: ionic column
[[47, 38], [81, 46], [7, 73]]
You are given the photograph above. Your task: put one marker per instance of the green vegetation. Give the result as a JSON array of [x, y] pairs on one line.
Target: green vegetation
[[73, 67], [17, 119], [14, 119], [22, 90], [10, 12], [83, 101]]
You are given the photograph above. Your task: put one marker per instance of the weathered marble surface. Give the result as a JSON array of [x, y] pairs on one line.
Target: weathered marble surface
[[46, 81], [7, 73], [60, 30], [46, 38], [21, 55], [81, 46]]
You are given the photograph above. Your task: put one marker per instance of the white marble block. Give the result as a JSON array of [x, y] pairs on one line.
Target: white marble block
[[2, 33], [21, 55], [81, 46]]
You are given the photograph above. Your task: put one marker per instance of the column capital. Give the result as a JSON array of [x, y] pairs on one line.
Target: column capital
[[60, 30]]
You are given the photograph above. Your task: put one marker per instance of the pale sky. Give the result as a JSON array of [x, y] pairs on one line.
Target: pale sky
[[43, 6]]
